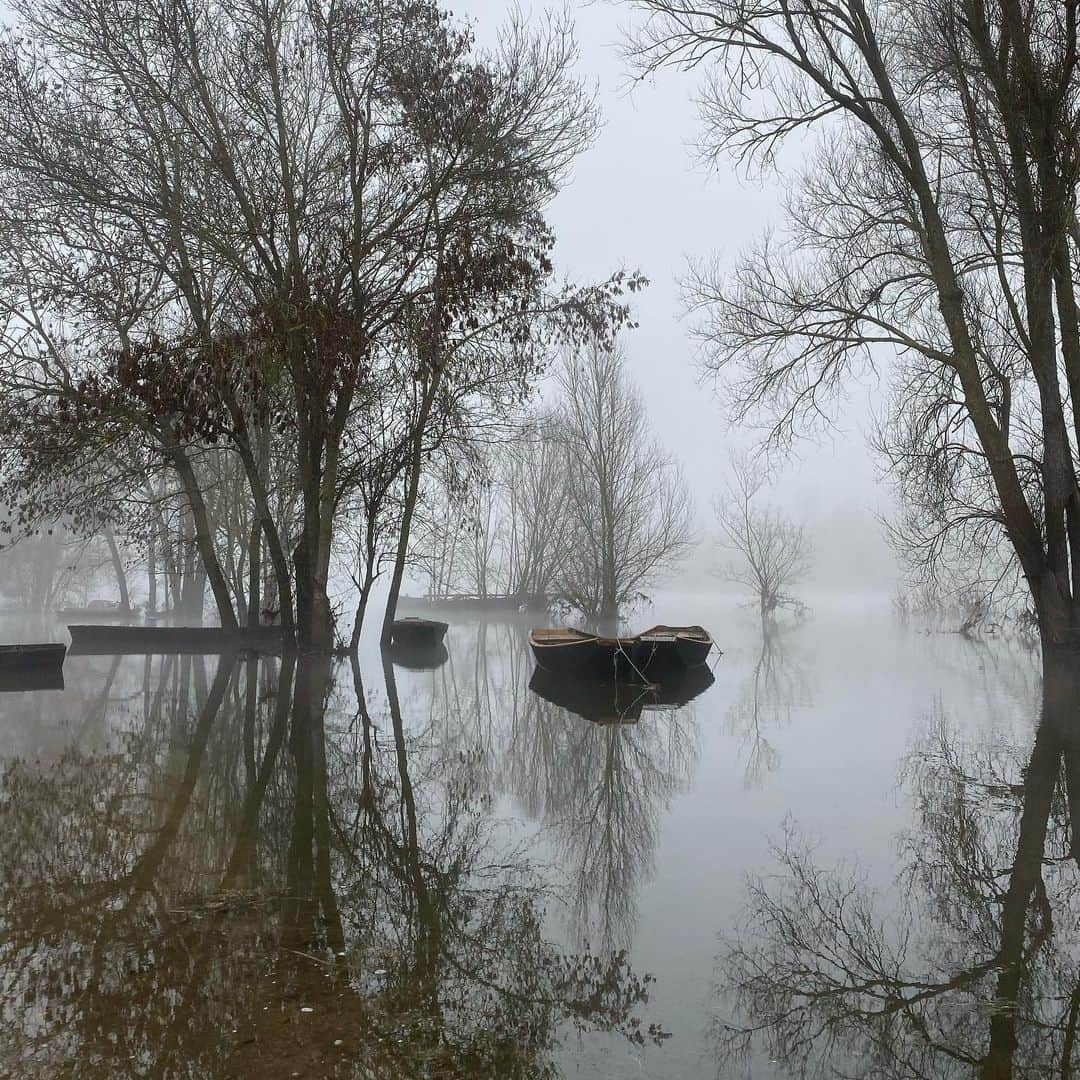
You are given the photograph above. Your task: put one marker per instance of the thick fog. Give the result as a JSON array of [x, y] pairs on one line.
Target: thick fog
[[642, 198]]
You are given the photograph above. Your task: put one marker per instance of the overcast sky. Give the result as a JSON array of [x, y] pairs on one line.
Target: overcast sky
[[640, 199]]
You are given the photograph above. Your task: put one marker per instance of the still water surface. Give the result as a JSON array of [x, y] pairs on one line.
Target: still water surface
[[849, 856]]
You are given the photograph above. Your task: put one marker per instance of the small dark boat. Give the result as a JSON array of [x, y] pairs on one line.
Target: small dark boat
[[418, 632], [101, 614], [418, 657], [25, 657], [640, 657], [620, 702], [144, 640]]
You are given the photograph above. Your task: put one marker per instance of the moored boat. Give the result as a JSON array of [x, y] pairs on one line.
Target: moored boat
[[418, 633], [142, 640], [564, 650]]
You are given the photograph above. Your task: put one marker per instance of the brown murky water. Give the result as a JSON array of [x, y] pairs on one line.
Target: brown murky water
[[850, 856]]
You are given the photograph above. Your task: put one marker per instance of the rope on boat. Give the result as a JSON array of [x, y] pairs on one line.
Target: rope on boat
[[644, 690], [615, 662]]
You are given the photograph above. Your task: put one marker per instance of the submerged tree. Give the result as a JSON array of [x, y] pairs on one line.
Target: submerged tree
[[772, 552], [629, 515], [936, 221]]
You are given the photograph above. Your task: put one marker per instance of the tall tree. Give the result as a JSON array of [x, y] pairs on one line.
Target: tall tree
[[936, 220], [628, 509]]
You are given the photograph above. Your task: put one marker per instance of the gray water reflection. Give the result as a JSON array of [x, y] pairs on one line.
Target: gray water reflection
[[971, 967], [460, 877], [244, 868], [779, 682]]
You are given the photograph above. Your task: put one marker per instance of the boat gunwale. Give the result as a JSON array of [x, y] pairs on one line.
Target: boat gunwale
[[568, 635]]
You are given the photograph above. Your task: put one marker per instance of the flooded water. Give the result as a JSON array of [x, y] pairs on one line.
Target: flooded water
[[848, 855]]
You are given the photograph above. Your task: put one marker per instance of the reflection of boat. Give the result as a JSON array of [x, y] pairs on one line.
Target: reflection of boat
[[141, 640], [418, 632], [35, 677], [14, 658], [660, 649], [620, 702], [418, 657]]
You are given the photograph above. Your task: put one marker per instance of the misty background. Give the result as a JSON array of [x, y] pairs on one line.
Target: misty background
[[642, 198]]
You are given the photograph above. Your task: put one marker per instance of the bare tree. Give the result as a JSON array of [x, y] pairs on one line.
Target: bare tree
[[937, 221], [629, 512], [772, 552], [260, 216], [533, 477]]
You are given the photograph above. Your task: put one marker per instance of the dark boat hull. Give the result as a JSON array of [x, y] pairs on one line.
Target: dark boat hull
[[36, 677], [24, 657], [418, 657], [144, 640], [417, 633]]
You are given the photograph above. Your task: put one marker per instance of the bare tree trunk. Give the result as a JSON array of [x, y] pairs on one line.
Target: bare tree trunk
[[255, 470], [313, 617], [408, 508], [254, 604], [358, 618], [118, 570], [151, 569], [204, 537]]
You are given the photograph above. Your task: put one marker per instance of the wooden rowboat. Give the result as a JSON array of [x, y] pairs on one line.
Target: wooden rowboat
[[417, 633], [660, 649], [145, 640]]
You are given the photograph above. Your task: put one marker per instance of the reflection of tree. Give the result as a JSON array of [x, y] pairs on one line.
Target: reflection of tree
[[598, 791], [91, 850], [601, 789], [239, 882], [973, 970], [459, 935], [778, 682]]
